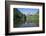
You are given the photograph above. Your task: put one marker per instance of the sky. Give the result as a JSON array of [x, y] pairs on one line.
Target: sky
[[28, 10]]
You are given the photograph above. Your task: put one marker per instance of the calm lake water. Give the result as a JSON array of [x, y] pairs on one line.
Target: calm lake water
[[28, 25]]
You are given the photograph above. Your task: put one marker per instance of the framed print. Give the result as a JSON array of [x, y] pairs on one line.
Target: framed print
[[24, 17]]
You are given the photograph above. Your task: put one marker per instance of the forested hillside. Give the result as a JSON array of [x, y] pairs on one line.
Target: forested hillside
[[19, 18]]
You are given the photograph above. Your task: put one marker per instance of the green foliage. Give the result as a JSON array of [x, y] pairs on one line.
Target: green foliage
[[18, 17], [33, 18]]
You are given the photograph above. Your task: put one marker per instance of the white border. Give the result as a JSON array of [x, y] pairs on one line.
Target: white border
[[27, 28]]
